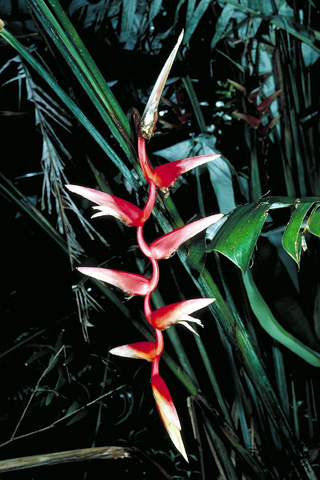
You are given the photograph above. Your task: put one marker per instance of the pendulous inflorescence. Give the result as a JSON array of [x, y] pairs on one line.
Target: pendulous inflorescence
[[161, 177]]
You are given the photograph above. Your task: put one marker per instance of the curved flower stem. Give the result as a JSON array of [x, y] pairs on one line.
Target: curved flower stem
[[159, 342], [147, 308], [159, 350], [144, 161], [155, 366], [147, 209], [144, 247], [155, 275]]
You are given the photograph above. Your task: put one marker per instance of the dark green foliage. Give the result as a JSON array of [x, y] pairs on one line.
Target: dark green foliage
[[249, 405]]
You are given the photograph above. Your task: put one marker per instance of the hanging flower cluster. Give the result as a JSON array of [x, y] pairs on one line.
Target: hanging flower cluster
[[162, 177], [262, 108]]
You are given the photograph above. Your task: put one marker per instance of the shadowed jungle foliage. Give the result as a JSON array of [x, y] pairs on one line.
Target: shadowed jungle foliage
[[74, 76]]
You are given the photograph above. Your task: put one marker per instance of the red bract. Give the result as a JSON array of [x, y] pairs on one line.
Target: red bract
[[164, 400], [264, 131], [142, 350], [166, 245], [110, 205], [263, 107], [168, 412], [174, 433], [252, 97], [131, 283], [166, 316], [165, 175], [254, 122]]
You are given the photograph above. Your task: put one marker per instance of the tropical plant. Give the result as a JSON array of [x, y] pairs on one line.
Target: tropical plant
[[250, 400], [162, 177]]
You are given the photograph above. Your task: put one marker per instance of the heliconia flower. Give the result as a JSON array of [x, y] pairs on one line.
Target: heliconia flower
[[238, 86], [165, 175], [131, 283], [264, 131], [166, 245], [150, 114], [252, 97], [263, 107], [141, 350], [179, 312], [254, 122], [125, 211], [163, 399], [168, 412]]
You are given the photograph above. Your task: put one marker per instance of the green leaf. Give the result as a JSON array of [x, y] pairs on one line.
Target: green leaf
[[127, 19], [71, 412], [238, 236], [292, 27], [9, 191], [292, 237], [222, 23], [271, 325], [280, 21], [197, 253], [57, 25], [155, 8], [49, 398], [246, 352], [194, 16], [314, 223]]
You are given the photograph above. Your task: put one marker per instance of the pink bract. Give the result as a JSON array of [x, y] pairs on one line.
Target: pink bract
[[131, 283], [165, 175], [166, 245], [110, 205], [141, 350], [167, 315], [168, 412]]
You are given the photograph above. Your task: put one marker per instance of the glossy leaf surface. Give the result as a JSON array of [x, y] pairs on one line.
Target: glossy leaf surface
[[237, 237], [314, 223], [292, 237]]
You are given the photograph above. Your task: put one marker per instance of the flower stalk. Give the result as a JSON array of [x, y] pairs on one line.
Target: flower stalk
[[162, 177]]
